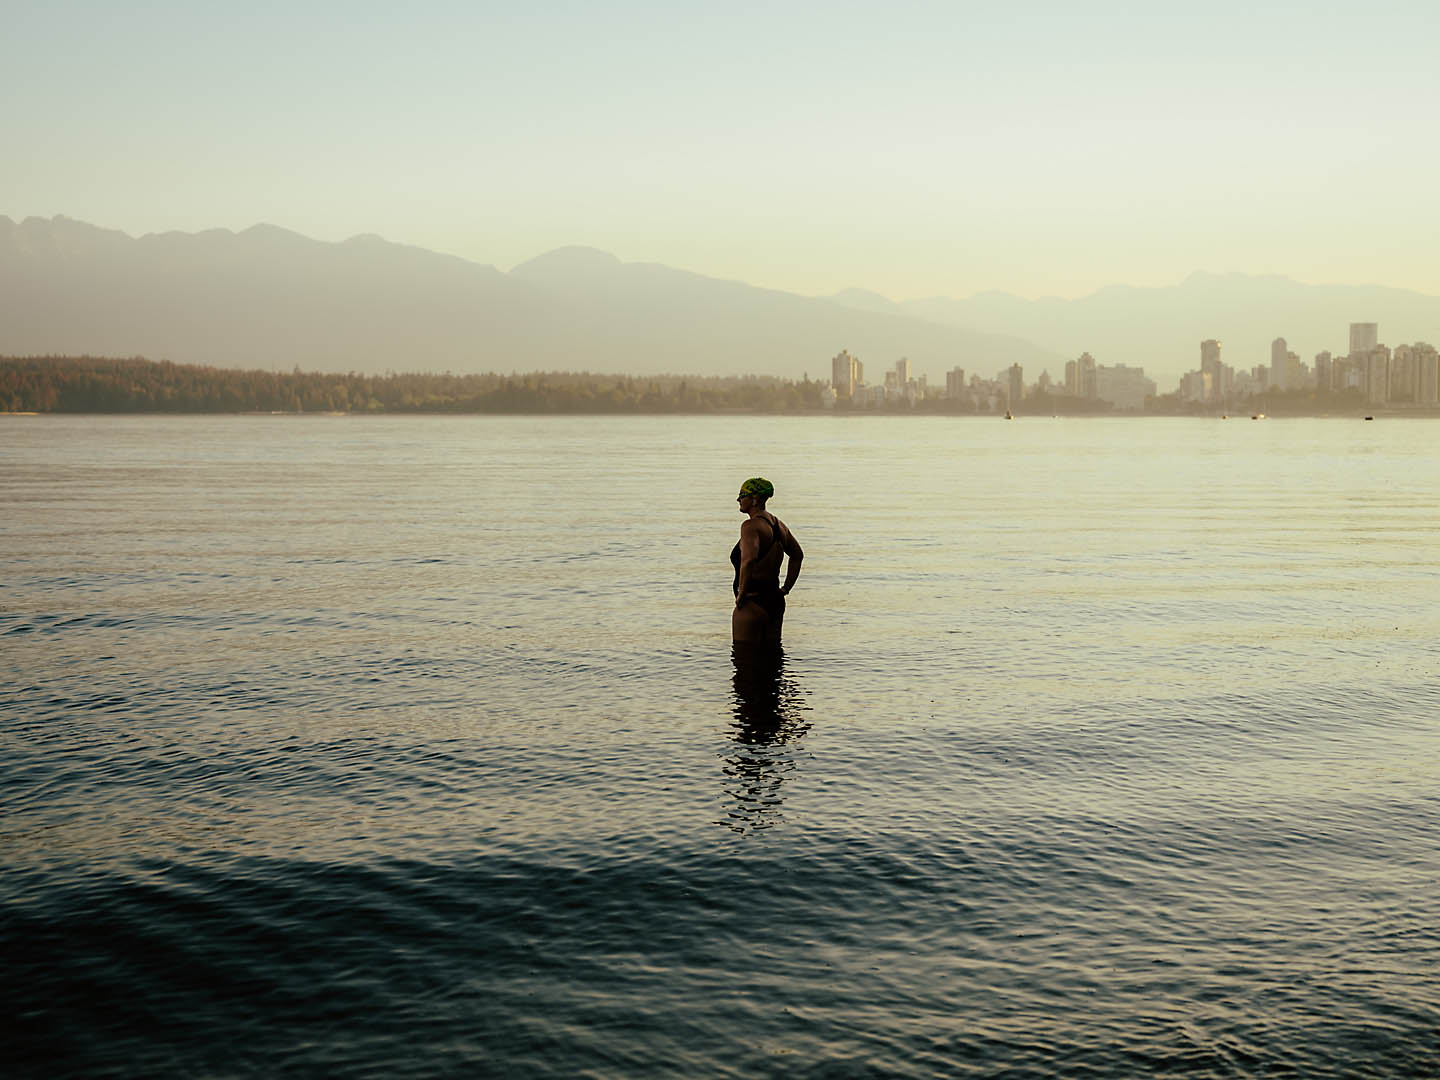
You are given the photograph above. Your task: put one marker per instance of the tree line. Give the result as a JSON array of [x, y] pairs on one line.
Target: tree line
[[90, 384]]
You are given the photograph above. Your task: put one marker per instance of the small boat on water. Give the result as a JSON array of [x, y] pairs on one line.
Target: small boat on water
[[1257, 416], [1008, 416]]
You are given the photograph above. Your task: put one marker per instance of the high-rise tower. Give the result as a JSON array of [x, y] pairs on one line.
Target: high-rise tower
[[845, 372], [1211, 372], [1364, 336], [1084, 376], [1279, 352], [1014, 385]]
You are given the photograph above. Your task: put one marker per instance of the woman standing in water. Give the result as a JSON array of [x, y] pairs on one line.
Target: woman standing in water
[[764, 541]]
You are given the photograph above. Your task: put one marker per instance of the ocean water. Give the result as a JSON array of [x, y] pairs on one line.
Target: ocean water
[[351, 747]]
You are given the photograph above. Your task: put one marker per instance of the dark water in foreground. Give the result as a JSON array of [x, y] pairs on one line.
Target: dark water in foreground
[[416, 747]]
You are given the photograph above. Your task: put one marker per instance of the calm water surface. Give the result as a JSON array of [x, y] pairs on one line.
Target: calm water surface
[[416, 747]]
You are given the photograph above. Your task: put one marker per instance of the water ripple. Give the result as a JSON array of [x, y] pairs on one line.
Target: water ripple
[[313, 765]]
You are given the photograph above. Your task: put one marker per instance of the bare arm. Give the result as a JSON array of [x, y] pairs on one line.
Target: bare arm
[[794, 555]]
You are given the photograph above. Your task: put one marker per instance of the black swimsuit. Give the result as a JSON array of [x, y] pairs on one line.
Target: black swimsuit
[[764, 591]]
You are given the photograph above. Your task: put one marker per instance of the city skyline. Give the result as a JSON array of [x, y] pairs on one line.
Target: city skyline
[[1408, 374]]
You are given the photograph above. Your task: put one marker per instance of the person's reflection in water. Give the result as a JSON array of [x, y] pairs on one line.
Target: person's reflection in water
[[768, 724]]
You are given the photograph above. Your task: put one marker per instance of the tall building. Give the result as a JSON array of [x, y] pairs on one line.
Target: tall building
[[1404, 372], [1364, 336], [1427, 379], [1084, 376], [1014, 385], [845, 374], [1377, 375], [1278, 353], [1211, 370], [1124, 387], [1347, 373], [1072, 385], [955, 383], [903, 374], [1322, 371]]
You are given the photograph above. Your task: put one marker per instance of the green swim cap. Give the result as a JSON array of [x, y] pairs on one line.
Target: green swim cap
[[759, 487]]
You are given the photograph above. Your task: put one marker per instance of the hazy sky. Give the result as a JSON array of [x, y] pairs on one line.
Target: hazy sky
[[911, 148]]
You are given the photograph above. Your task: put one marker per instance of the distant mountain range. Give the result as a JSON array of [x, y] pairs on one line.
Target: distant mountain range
[[267, 297], [1160, 329]]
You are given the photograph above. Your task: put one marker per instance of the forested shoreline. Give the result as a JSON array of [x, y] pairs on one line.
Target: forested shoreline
[[88, 384]]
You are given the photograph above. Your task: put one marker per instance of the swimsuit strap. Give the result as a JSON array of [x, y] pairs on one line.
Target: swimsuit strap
[[774, 534]]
